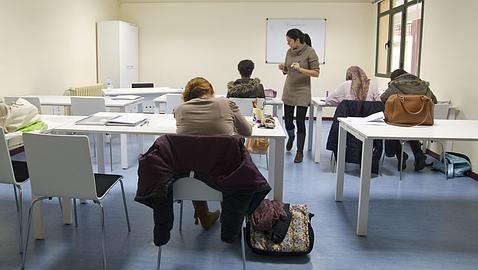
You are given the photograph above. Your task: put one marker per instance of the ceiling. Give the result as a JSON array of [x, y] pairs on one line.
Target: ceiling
[[232, 1]]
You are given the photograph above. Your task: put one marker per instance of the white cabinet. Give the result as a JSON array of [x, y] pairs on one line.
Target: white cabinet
[[117, 53]]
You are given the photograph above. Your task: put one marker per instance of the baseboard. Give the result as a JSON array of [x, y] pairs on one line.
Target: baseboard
[[472, 175]]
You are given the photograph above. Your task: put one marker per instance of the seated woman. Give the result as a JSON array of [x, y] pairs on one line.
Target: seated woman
[[356, 87], [203, 114], [404, 83], [245, 87]]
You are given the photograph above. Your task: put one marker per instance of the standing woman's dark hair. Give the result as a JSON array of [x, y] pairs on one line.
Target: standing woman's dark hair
[[296, 34]]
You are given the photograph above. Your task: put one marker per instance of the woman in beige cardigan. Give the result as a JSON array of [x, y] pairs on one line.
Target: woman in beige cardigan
[[203, 114], [301, 63]]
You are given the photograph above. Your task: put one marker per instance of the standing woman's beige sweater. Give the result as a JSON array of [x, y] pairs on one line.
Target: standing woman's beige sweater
[[210, 116]]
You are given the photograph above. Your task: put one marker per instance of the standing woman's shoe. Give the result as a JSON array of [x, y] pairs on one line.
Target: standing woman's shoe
[[299, 156]]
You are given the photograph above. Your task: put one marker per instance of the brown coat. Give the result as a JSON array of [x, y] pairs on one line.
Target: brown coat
[[210, 116], [297, 91]]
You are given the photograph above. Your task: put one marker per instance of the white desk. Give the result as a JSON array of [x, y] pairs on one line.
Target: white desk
[[166, 124], [277, 105], [147, 93], [317, 104], [448, 130], [120, 105]]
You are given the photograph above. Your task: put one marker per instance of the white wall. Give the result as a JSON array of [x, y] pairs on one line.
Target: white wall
[[47, 46], [449, 59], [181, 40]]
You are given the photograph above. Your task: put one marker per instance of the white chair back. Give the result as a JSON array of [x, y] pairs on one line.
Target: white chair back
[[245, 104], [441, 110], [35, 101], [172, 101], [188, 188], [87, 105], [6, 170], [66, 172]]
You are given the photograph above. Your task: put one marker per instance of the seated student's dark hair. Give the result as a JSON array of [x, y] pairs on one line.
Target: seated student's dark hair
[[245, 67], [297, 34], [396, 73]]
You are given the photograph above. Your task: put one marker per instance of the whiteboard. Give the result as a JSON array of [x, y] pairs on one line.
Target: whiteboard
[[276, 44]]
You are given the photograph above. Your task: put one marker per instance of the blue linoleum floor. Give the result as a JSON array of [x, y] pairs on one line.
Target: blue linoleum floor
[[421, 222]]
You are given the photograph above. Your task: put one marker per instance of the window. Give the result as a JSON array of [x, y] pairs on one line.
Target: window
[[399, 36]]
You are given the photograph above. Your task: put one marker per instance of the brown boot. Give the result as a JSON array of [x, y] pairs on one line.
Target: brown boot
[[299, 156], [202, 213]]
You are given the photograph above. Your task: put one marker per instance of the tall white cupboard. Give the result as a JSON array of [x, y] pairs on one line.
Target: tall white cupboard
[[117, 53]]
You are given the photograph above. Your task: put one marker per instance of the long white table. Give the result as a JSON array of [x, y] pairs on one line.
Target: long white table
[[442, 130], [160, 124], [276, 104], [147, 93]]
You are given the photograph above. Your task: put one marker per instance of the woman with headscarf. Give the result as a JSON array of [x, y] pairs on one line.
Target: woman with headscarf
[[356, 87]]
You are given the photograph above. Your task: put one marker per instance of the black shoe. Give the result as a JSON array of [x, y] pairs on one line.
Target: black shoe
[[299, 156], [404, 163], [290, 140], [420, 163]]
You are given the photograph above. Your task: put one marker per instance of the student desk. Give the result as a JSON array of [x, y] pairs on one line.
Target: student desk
[[165, 124], [275, 103], [316, 106], [120, 105], [147, 93], [442, 130]]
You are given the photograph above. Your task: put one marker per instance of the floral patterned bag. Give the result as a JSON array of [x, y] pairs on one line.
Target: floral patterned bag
[[299, 239]]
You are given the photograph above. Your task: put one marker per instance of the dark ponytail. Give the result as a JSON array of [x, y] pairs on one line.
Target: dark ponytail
[[297, 34]]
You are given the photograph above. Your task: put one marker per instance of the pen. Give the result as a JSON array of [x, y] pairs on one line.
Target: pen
[[144, 123]]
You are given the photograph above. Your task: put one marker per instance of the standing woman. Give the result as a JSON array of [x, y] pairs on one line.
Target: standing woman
[[301, 63]]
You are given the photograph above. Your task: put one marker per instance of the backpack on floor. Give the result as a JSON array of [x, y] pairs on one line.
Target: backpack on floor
[[299, 239], [457, 165]]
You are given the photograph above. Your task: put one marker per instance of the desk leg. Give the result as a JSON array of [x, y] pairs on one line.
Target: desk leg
[[276, 167], [37, 220], [141, 137], [318, 134], [67, 211], [339, 190], [311, 127], [100, 152], [280, 113], [365, 173]]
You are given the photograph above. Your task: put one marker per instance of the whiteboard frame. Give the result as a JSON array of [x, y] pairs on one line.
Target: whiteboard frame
[[322, 61]]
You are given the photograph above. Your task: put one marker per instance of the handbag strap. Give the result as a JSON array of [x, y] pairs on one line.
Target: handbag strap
[[402, 99]]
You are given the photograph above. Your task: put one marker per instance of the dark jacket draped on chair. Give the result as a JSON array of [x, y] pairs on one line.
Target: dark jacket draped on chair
[[354, 108], [221, 162]]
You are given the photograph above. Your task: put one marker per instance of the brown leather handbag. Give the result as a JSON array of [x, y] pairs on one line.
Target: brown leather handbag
[[409, 110]]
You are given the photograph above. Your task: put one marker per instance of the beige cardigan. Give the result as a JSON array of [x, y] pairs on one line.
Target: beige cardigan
[[297, 91], [210, 116]]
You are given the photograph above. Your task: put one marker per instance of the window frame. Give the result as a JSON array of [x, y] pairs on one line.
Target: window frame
[[391, 11]]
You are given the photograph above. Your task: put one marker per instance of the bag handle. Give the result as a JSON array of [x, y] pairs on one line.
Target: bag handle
[[402, 99]]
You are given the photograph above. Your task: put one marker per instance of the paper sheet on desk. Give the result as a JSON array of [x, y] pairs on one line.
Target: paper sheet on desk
[[373, 118]]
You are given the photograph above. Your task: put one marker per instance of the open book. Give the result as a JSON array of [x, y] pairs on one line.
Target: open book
[[376, 117], [130, 120], [96, 120]]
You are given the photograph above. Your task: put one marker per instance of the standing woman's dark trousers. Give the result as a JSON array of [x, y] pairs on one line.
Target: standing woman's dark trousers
[[289, 125]]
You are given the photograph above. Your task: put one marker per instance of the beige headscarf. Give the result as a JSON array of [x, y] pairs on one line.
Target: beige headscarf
[[360, 82]]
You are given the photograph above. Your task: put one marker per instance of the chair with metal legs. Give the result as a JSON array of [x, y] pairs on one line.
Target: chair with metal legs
[[53, 177], [14, 173], [189, 188]]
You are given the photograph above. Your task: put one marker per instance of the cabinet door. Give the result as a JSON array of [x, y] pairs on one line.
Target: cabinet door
[[128, 54]]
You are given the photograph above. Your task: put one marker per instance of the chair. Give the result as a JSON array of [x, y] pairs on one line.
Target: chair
[[14, 173], [35, 101], [172, 101], [87, 106], [441, 110], [53, 177], [142, 85], [245, 107], [189, 188]]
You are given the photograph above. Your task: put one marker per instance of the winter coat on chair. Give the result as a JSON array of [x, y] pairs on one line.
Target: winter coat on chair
[[221, 162], [354, 108]]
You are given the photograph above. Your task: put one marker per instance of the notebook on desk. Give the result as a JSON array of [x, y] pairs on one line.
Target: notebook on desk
[[126, 97], [127, 120], [96, 120]]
